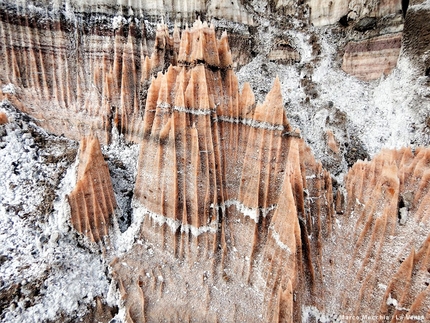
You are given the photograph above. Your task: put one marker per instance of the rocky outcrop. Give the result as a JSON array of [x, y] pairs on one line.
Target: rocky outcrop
[[70, 80], [92, 201], [78, 76], [327, 13], [371, 58], [232, 218], [382, 239], [224, 190], [373, 31], [416, 36], [282, 52], [238, 220]]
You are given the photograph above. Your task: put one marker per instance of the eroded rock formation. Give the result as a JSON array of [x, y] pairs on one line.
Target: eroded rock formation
[[232, 218], [78, 78], [238, 221], [224, 189], [92, 201], [326, 13], [283, 53], [381, 243], [3, 118]]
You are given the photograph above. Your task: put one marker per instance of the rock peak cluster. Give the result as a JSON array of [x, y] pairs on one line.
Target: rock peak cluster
[[234, 219], [241, 220]]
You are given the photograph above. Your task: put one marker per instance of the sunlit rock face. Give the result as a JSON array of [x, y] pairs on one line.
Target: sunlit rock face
[[238, 221], [205, 202], [70, 79], [87, 71]]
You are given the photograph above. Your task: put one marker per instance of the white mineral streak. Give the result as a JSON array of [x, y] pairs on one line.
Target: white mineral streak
[[278, 241], [252, 123]]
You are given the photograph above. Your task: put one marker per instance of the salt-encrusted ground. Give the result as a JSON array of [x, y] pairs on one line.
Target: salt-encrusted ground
[[44, 269]]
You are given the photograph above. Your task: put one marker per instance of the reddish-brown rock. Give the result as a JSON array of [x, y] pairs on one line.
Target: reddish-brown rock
[[382, 240], [3, 118], [239, 221], [222, 188], [92, 201], [98, 81]]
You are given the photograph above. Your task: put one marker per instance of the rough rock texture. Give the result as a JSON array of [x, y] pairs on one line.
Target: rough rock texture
[[369, 59], [380, 244], [92, 201], [374, 33], [225, 215], [76, 76], [326, 13], [417, 36], [224, 188], [73, 81], [283, 53], [3, 118], [237, 219]]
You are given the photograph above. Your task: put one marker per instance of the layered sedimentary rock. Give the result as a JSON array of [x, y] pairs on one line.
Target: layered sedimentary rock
[[92, 201], [283, 53], [327, 13], [373, 31], [225, 191], [238, 221], [70, 80], [180, 11], [371, 58], [86, 73]]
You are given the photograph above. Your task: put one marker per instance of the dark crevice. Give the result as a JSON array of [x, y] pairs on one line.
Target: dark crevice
[[401, 205], [344, 21], [405, 5]]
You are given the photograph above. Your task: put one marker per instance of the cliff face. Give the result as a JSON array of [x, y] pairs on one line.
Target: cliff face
[[225, 214], [229, 194], [220, 184], [86, 67], [88, 72]]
